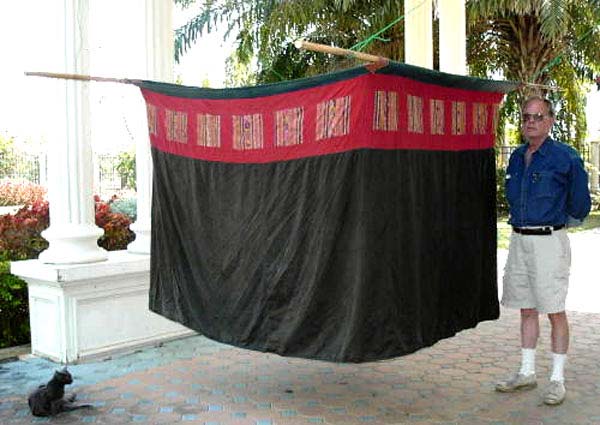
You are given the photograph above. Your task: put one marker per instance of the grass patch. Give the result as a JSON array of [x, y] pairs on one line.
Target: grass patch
[[591, 222]]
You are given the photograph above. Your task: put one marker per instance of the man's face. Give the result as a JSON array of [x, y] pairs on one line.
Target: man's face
[[536, 123]]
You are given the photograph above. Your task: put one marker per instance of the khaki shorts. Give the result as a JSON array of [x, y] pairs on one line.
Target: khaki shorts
[[536, 274]]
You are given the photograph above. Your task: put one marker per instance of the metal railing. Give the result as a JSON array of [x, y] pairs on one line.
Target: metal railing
[[22, 166]]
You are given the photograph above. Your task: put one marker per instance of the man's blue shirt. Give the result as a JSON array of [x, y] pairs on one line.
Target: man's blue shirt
[[552, 188]]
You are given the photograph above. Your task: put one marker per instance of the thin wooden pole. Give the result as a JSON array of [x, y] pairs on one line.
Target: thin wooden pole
[[315, 47], [80, 77]]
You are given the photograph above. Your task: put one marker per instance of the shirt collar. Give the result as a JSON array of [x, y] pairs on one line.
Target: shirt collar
[[543, 149]]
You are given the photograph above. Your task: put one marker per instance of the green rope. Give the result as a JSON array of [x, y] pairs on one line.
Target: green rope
[[364, 43], [277, 74]]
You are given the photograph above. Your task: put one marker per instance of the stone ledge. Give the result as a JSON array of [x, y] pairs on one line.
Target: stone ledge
[[118, 263]]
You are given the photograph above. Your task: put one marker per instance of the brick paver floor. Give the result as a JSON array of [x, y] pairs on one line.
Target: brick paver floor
[[198, 381]]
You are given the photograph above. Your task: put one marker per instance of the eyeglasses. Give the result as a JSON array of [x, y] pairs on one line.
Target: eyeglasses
[[533, 117]]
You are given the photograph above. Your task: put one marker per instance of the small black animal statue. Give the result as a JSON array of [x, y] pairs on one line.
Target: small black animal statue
[[48, 400]]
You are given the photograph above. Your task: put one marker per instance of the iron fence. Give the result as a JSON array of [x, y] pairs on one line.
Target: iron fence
[[23, 166], [107, 179]]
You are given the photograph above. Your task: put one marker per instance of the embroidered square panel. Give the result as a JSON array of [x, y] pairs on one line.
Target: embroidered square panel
[[459, 118], [247, 132], [437, 116], [333, 118], [480, 118], [176, 124], [289, 126], [385, 115], [151, 113], [415, 114], [209, 130]]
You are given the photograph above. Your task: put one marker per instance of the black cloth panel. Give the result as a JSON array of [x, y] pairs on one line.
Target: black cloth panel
[[350, 257]]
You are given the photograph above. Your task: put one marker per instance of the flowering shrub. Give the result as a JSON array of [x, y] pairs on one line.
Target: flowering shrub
[[20, 233], [20, 193], [20, 237], [116, 226]]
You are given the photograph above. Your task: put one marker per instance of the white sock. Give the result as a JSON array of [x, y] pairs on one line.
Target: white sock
[[527, 361], [558, 367]]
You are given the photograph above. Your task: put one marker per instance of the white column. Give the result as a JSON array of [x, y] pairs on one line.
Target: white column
[[72, 233], [418, 33], [595, 159], [453, 37], [159, 60]]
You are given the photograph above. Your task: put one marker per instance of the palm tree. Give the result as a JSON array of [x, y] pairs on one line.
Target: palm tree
[[265, 30], [545, 42]]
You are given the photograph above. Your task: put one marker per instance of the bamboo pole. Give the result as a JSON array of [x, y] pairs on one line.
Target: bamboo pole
[[80, 77], [542, 86], [315, 47], [300, 44]]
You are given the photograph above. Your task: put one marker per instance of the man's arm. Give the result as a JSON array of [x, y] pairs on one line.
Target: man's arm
[[579, 201]]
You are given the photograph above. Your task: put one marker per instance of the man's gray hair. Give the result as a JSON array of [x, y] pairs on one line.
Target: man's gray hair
[[548, 104]]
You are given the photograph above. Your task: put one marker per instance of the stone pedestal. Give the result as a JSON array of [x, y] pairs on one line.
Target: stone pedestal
[[85, 311]]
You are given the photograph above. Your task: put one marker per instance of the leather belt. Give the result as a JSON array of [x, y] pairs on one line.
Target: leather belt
[[542, 230]]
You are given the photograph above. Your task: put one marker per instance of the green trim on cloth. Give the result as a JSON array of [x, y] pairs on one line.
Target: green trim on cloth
[[416, 73]]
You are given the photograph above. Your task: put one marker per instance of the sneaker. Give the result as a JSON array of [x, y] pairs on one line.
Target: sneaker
[[555, 393], [516, 383]]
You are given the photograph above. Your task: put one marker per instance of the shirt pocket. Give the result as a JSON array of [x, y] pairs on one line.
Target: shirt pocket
[[544, 184]]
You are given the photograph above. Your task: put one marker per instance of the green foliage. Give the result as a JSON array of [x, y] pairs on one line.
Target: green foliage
[[127, 206], [265, 30], [19, 240], [501, 202], [544, 42], [17, 163], [126, 169], [7, 157], [14, 309]]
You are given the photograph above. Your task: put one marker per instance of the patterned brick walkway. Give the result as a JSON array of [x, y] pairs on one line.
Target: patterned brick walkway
[[198, 381]]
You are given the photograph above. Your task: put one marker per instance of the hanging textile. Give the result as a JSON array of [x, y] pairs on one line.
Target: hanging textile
[[348, 217]]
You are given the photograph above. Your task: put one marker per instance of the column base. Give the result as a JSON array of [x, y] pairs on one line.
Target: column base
[[73, 244]]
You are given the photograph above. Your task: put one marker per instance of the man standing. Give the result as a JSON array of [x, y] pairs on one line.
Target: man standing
[[546, 188]]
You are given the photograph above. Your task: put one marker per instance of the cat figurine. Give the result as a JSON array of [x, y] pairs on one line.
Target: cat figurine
[[48, 400]]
